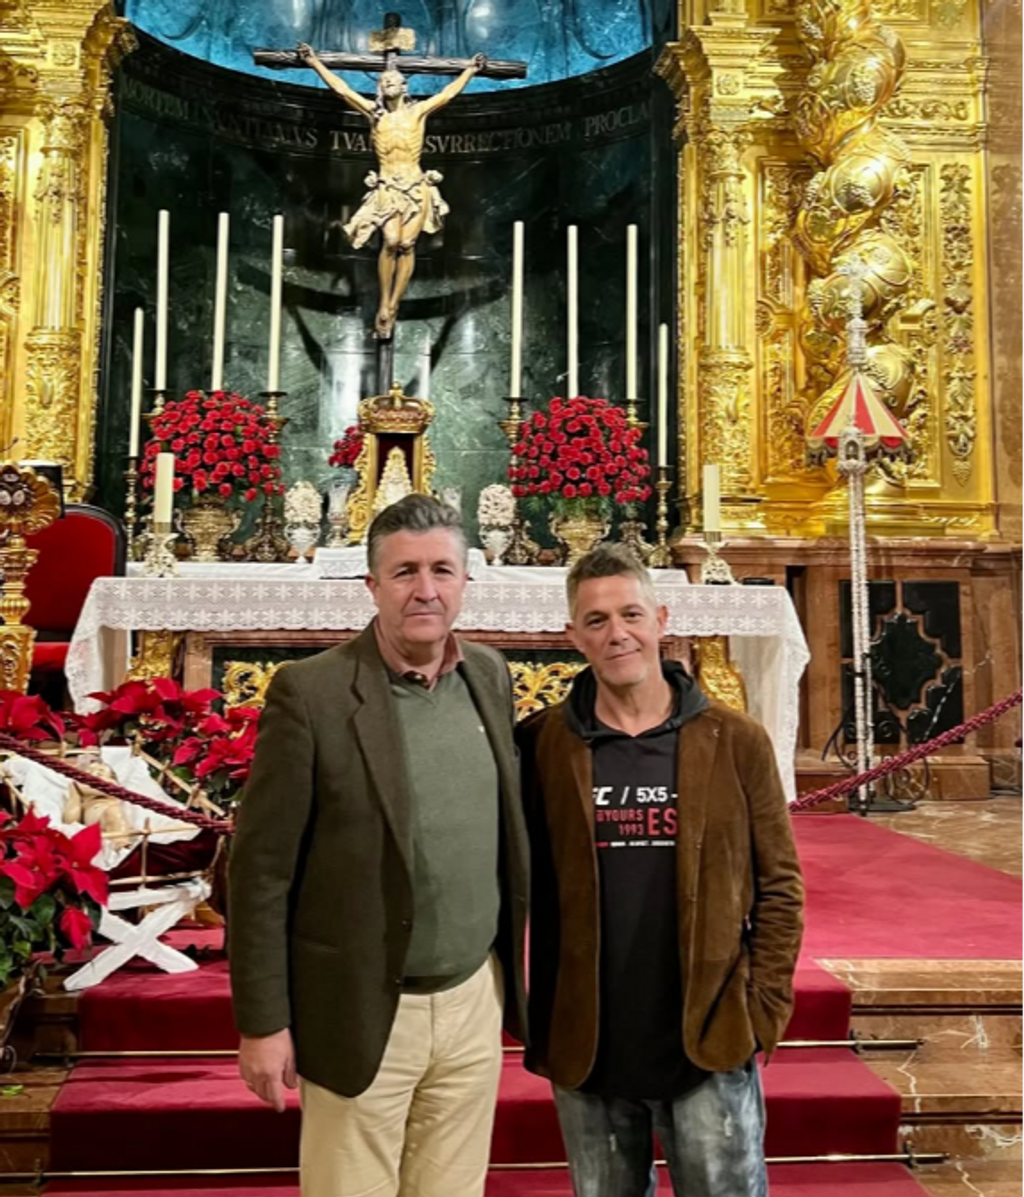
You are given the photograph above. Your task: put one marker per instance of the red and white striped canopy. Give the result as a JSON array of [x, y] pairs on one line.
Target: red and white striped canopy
[[860, 405]]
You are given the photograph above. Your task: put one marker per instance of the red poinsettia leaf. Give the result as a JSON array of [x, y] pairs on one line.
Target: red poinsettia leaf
[[76, 925]]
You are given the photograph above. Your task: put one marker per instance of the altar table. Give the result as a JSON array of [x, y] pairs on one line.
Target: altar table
[[294, 604]]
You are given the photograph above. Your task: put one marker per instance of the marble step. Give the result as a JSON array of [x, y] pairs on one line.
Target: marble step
[[971, 1178]]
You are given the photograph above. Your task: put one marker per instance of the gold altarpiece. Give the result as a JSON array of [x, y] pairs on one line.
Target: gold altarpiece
[[889, 102], [56, 64]]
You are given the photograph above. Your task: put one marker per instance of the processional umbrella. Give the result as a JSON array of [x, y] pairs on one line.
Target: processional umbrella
[[858, 428]]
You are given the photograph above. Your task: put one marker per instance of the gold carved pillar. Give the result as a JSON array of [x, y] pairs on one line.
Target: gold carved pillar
[[722, 77], [57, 57]]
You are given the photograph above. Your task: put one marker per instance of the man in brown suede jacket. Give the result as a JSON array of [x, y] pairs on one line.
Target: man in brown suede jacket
[[666, 910]]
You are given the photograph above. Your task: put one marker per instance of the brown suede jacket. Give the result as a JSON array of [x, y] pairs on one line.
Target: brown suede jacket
[[740, 894]]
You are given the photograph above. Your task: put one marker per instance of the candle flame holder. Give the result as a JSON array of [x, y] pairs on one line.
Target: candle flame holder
[[714, 569]]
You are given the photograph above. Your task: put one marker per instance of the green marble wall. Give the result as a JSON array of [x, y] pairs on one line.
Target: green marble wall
[[198, 139]]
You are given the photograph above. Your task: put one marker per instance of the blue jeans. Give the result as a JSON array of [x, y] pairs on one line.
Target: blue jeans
[[713, 1139]]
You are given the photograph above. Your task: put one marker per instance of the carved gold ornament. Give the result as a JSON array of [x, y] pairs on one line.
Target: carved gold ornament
[[536, 686], [245, 683]]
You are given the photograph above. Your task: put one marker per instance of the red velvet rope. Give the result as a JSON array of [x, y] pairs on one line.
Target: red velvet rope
[[59, 765], [892, 763]]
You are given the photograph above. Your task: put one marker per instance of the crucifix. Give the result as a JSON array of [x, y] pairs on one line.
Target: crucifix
[[402, 200]]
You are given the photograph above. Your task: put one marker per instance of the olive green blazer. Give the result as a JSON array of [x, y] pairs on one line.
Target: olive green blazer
[[320, 889]]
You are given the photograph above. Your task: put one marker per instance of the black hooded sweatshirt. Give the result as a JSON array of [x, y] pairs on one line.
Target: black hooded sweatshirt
[[640, 1046]]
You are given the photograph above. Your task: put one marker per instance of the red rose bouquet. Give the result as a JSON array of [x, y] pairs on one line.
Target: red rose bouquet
[[223, 444], [347, 450], [582, 456]]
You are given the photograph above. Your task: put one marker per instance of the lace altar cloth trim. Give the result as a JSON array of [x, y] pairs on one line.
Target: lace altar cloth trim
[[767, 642]]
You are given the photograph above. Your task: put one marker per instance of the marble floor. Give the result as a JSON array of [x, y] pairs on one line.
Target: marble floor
[[988, 831]]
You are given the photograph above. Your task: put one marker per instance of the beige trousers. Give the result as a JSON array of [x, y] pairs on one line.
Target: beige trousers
[[423, 1127]]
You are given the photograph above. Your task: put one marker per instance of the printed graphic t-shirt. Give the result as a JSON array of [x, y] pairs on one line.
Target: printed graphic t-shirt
[[640, 1048]]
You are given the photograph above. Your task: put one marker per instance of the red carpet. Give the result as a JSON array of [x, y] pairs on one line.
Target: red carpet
[[786, 1180], [862, 880], [873, 892]]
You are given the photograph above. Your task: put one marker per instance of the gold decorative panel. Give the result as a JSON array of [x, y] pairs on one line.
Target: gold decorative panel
[[536, 686]]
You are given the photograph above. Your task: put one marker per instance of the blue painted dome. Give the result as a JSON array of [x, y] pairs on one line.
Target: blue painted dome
[[556, 38]]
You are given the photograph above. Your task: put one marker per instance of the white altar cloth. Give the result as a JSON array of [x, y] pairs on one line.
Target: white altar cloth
[[766, 640]]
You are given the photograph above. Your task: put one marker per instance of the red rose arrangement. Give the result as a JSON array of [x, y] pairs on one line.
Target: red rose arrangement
[[223, 444], [347, 450], [580, 454]]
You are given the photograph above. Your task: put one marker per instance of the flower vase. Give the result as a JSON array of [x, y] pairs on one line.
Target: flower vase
[[496, 542], [338, 494], [302, 538], [208, 524], [578, 533]]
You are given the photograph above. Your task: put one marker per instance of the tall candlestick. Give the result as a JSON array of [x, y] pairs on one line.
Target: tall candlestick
[[573, 388], [663, 395], [163, 491], [163, 238], [631, 310], [515, 386], [276, 266], [424, 387], [220, 303], [136, 408], [712, 499]]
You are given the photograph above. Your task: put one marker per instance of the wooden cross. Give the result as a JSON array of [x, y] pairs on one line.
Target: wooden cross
[[390, 50]]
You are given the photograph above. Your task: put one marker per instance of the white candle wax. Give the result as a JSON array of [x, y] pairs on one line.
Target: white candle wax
[[163, 491], [712, 499], [573, 387], [136, 409], [663, 395], [276, 266], [515, 386], [425, 368], [163, 237], [220, 302], [631, 310]]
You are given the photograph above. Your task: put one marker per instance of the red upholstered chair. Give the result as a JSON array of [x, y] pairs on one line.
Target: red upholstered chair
[[88, 543]]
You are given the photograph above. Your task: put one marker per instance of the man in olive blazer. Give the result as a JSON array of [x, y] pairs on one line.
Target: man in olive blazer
[[347, 846]]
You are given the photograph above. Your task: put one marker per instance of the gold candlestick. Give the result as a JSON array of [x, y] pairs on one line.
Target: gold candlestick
[[160, 559], [158, 397], [714, 569], [633, 415], [268, 544], [661, 558], [512, 425], [131, 477]]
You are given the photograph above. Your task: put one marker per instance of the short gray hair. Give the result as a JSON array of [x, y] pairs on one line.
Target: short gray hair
[[608, 561], [414, 513]]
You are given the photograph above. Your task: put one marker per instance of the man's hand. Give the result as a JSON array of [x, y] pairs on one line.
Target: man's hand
[[479, 61], [266, 1063], [305, 52]]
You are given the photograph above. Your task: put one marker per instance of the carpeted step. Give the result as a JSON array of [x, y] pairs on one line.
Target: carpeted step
[[786, 1180], [198, 1114], [142, 1009]]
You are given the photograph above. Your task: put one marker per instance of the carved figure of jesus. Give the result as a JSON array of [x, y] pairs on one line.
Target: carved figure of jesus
[[401, 200]]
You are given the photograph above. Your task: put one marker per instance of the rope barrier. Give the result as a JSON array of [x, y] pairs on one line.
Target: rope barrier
[[918, 752], [59, 765]]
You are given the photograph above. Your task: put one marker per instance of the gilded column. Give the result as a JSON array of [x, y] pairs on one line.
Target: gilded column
[[54, 346], [64, 52], [720, 73]]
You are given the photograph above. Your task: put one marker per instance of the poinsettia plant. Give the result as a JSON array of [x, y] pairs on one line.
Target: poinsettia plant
[[51, 894], [223, 445], [582, 456], [347, 450], [179, 728]]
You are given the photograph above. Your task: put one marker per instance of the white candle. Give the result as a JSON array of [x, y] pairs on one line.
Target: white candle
[[515, 386], [573, 388], [276, 265], [220, 303], [163, 491], [163, 237], [663, 395], [631, 310], [425, 368], [712, 499], [136, 409]]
